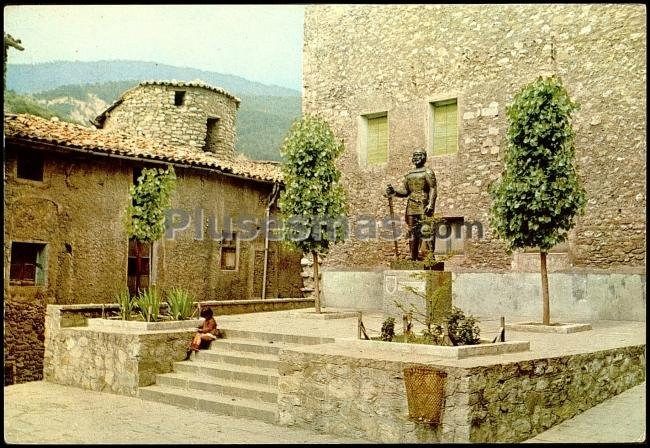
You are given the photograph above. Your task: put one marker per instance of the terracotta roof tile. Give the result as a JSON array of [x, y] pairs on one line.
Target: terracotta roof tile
[[37, 129]]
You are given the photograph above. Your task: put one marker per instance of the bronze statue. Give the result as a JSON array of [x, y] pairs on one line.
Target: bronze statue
[[421, 189]]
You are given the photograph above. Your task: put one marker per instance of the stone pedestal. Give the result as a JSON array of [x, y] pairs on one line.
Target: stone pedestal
[[420, 291]]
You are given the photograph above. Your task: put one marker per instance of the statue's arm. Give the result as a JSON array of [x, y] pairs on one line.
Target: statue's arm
[[433, 191]]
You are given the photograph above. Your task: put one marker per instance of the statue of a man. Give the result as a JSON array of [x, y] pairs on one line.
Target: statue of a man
[[421, 189]]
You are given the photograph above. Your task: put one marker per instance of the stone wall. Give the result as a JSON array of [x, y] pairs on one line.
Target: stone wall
[[515, 401], [149, 111], [574, 296], [78, 211], [362, 59], [105, 360], [352, 394]]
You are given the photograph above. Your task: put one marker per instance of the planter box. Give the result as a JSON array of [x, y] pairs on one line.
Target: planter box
[[137, 325], [535, 327], [456, 352]]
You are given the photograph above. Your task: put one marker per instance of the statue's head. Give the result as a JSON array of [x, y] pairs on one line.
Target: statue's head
[[419, 157]]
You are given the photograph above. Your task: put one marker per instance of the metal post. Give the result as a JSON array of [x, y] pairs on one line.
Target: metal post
[[503, 329], [359, 324]]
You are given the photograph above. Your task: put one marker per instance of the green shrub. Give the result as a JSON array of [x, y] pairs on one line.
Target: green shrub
[[180, 304], [462, 330], [148, 302], [388, 329], [126, 304]]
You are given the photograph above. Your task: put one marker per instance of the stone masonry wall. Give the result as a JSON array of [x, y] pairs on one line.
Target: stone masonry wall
[[354, 396], [364, 59], [109, 361], [513, 402], [149, 111]]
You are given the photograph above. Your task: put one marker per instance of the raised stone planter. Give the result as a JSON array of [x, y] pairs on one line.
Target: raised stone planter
[[325, 315], [135, 325], [457, 352], [111, 355], [535, 327]]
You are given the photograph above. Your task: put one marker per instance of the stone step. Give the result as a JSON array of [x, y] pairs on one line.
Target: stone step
[[251, 391], [231, 372], [222, 354], [209, 402], [274, 337], [251, 346]]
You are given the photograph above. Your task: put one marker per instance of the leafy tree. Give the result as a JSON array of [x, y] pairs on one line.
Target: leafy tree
[[151, 197], [313, 201], [539, 194]]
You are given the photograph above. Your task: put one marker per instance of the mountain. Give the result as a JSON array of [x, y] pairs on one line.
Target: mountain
[[31, 78], [263, 118]]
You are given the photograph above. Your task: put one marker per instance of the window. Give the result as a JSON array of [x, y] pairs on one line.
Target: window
[[450, 236], [30, 166], [445, 127], [27, 264], [212, 133], [229, 253], [179, 97], [139, 266], [376, 139]]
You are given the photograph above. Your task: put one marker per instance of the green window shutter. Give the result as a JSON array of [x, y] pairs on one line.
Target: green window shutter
[[377, 140], [445, 128]]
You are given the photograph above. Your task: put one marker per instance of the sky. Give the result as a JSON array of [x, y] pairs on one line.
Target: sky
[[261, 43]]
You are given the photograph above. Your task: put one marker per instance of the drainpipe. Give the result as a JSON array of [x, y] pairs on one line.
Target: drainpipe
[[272, 198]]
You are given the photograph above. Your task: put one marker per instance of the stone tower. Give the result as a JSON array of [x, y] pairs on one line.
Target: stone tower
[[178, 113]]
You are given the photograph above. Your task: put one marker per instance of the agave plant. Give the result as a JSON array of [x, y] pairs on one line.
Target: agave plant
[[126, 304], [148, 302], [180, 303]]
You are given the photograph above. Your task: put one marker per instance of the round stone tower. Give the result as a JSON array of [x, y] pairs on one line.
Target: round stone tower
[[178, 113]]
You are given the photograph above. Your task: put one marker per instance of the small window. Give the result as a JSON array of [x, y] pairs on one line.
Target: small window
[[376, 139], [27, 264], [212, 134], [179, 97], [30, 166], [445, 127], [229, 253], [139, 266]]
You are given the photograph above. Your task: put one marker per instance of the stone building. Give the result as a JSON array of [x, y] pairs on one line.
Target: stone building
[[66, 195], [393, 78], [180, 113]]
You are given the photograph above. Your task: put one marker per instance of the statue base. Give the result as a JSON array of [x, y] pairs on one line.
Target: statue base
[[410, 265]]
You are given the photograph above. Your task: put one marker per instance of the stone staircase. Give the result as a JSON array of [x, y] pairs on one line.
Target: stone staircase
[[237, 375]]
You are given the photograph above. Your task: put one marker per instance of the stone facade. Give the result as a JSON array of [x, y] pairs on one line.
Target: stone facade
[[149, 110], [363, 59], [354, 395], [78, 212]]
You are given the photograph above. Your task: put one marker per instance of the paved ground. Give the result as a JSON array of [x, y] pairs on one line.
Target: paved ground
[[42, 412]]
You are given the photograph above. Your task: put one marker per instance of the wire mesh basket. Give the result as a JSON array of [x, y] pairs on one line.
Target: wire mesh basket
[[425, 393]]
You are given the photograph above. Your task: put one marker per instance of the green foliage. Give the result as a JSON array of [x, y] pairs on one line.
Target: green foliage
[[181, 303], [151, 197], [388, 329], [539, 194], [126, 304], [313, 194], [462, 330], [148, 303]]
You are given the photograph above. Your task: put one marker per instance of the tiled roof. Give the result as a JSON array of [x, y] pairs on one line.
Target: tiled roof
[[60, 133]]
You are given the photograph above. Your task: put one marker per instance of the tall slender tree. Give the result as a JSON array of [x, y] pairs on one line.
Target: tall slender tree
[[539, 195], [313, 203]]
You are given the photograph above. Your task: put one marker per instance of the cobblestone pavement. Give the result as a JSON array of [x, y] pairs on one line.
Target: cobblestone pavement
[[619, 419], [42, 412]]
